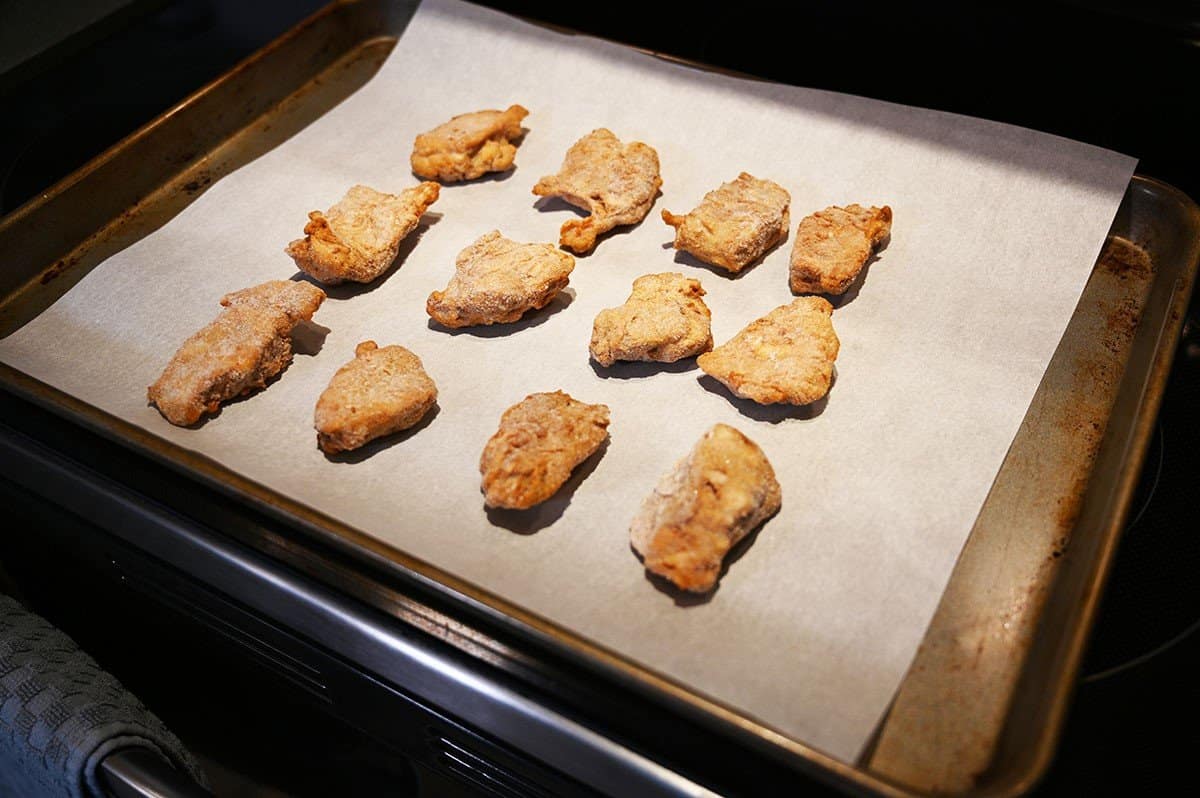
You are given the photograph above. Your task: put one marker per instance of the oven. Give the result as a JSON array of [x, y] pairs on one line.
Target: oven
[[150, 566]]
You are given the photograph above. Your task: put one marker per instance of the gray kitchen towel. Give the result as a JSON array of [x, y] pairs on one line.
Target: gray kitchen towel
[[61, 714]]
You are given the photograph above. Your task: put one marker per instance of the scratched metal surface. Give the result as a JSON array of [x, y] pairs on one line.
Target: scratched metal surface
[[983, 703], [948, 715]]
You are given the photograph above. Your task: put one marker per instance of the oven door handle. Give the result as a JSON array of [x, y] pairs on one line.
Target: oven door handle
[[140, 773]]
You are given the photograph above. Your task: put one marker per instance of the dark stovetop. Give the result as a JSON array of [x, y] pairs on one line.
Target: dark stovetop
[[1110, 74]]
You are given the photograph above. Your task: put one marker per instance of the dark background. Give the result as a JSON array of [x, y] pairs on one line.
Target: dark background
[[1118, 75]]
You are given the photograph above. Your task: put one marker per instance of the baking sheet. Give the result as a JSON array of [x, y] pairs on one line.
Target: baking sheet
[[814, 625]]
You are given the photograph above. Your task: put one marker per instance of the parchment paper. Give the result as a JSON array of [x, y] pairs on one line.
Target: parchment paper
[[812, 628]]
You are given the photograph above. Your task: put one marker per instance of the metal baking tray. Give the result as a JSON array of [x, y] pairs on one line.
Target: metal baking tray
[[983, 703]]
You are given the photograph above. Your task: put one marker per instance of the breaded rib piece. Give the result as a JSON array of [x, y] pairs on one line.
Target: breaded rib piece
[[245, 346], [496, 280], [357, 239], [616, 183], [713, 498], [468, 146], [786, 356], [663, 320], [833, 245], [540, 441], [735, 223], [379, 392]]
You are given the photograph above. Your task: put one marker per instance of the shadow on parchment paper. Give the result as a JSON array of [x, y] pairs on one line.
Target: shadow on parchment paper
[[771, 414], [549, 204], [688, 259], [684, 598], [537, 518], [371, 448], [490, 177], [533, 318], [349, 290], [308, 338], [638, 369], [851, 293]]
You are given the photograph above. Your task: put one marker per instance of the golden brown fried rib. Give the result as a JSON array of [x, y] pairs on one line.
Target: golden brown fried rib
[[785, 356], [833, 245], [469, 145], [709, 501], [540, 441], [379, 392], [664, 320], [358, 238], [616, 183], [497, 280], [245, 346], [735, 224]]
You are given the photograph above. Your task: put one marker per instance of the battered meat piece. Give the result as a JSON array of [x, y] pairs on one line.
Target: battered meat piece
[[468, 146], [245, 346], [735, 224], [786, 356], [540, 441], [358, 238], [713, 498], [616, 183], [833, 245], [379, 392], [663, 320], [497, 280]]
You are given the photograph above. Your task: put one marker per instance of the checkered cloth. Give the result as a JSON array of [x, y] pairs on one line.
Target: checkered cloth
[[61, 714]]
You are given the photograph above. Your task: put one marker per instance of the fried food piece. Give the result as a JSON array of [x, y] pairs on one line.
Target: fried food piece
[[496, 280], [713, 498], [786, 356], [833, 245], [540, 441], [379, 392], [469, 145], [663, 320], [734, 224], [248, 344], [359, 237], [616, 183]]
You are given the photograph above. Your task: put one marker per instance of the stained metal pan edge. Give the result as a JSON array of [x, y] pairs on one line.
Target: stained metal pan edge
[[292, 81], [1166, 222], [981, 709]]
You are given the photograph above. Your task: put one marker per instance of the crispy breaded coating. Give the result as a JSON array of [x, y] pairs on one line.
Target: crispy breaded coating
[[735, 224], [379, 392], [616, 183], [786, 356], [358, 238], [469, 145], [663, 320], [496, 280], [833, 245], [540, 441], [709, 501], [245, 346]]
